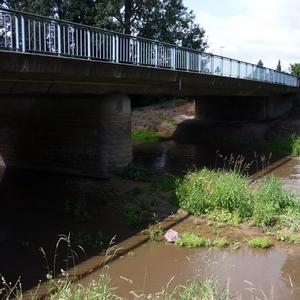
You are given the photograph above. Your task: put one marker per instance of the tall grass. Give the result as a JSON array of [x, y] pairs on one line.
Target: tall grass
[[141, 135], [205, 191]]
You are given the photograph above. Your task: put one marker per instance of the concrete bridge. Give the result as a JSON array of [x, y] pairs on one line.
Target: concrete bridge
[[64, 103]]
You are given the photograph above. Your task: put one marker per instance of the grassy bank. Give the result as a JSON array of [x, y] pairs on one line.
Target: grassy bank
[[220, 198], [290, 144]]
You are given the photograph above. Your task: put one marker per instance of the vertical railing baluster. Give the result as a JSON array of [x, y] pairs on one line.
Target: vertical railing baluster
[[58, 39], [89, 54], [138, 58], [17, 33], [156, 55], [23, 34]]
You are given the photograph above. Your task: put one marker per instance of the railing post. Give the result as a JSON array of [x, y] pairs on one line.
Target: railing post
[[23, 34], [138, 59], [156, 55], [212, 65], [187, 60], [17, 33], [173, 58], [221, 66], [116, 48], [89, 54], [58, 39], [239, 69]]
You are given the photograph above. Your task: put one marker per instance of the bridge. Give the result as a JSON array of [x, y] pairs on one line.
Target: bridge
[[64, 87]]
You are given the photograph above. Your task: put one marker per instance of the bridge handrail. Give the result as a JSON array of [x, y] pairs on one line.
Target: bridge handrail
[[27, 32]]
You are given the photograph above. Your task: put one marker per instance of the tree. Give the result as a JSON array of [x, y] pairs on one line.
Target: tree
[[278, 68], [40, 7], [294, 69], [163, 20], [260, 63]]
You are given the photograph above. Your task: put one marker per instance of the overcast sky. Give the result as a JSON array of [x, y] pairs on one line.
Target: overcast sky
[[250, 30]]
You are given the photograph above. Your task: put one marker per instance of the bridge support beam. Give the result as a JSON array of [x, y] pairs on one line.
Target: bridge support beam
[[86, 135], [242, 108]]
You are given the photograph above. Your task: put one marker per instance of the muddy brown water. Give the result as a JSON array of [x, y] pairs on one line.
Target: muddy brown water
[[31, 205]]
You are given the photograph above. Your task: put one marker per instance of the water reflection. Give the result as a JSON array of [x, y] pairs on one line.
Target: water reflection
[[176, 158], [251, 272]]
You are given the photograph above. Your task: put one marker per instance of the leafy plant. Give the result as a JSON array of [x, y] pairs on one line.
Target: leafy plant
[[135, 172], [221, 242], [192, 240], [259, 242], [133, 215]]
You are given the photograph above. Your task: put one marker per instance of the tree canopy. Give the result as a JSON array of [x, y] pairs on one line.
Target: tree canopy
[[163, 20], [295, 69], [278, 68], [260, 63]]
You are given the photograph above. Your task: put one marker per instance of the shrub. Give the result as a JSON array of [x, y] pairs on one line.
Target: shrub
[[259, 242], [270, 199]]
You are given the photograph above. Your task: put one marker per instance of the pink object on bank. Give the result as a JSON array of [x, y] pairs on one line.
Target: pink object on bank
[[172, 235]]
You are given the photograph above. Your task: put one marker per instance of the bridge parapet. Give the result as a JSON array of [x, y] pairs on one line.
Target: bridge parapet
[[31, 33]]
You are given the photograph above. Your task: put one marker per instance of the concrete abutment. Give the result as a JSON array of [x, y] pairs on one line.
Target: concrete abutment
[[82, 135], [242, 108]]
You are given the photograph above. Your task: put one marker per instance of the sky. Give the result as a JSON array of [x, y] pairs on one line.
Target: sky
[[251, 30]]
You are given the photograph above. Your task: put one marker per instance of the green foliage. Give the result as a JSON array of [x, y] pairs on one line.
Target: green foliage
[[259, 242], [205, 190], [295, 144], [225, 196], [141, 135], [260, 63], [167, 21], [278, 68], [270, 199], [133, 215], [96, 241], [221, 242], [295, 69], [191, 240], [135, 172]]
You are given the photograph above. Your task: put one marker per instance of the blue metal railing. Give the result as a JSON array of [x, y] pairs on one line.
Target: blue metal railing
[[31, 33]]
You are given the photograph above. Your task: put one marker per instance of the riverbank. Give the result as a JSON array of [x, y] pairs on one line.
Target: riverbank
[[177, 121]]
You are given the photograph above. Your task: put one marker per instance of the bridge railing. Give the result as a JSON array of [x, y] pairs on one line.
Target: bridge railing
[[31, 33]]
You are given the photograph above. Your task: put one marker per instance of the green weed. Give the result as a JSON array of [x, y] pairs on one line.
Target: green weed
[[192, 240], [148, 136], [259, 242], [221, 242], [135, 172], [133, 215]]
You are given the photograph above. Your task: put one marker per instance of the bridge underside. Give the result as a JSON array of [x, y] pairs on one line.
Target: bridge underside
[[88, 137], [73, 116], [243, 108]]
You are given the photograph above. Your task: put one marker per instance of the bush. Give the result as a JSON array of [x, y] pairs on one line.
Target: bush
[[270, 199], [203, 191]]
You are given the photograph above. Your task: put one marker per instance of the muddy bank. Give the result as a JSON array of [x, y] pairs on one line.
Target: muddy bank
[[177, 121]]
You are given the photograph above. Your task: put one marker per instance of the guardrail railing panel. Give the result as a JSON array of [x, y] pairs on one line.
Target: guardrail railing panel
[[27, 32]]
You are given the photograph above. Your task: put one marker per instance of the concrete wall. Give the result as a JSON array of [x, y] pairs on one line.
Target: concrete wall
[[86, 135], [242, 108]]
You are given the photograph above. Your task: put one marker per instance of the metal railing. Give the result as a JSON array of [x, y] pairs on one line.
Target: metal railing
[[31, 33]]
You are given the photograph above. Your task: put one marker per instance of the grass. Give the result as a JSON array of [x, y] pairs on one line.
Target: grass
[[141, 135], [290, 144], [224, 195], [259, 242]]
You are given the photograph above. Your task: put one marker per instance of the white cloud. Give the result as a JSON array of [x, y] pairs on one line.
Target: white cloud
[[251, 30]]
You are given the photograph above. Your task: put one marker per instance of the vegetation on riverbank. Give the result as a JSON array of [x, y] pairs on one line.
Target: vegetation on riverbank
[[288, 144], [220, 197]]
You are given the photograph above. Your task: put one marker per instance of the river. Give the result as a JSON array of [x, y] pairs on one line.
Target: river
[[250, 271]]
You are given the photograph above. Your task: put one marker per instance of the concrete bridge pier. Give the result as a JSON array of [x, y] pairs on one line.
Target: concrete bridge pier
[[88, 135], [242, 107]]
